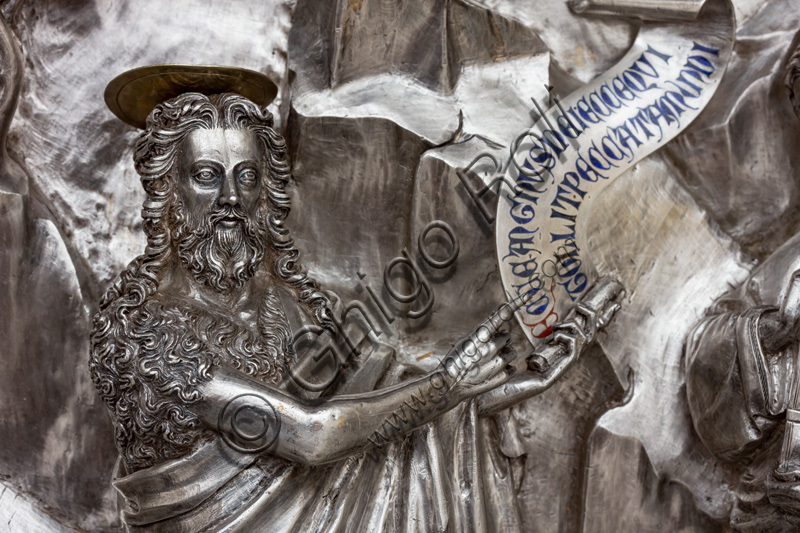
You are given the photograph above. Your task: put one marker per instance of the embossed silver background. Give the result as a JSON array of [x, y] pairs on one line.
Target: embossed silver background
[[370, 100]]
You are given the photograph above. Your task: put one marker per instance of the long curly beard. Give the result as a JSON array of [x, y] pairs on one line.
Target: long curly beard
[[219, 257]]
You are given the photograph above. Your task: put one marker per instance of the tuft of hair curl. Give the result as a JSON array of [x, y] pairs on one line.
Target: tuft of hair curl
[[791, 79]]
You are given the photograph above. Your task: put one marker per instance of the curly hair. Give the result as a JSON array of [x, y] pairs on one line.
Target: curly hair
[[147, 379], [791, 79]]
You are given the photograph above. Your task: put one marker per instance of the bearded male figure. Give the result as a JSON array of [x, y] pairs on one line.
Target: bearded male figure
[[204, 319]]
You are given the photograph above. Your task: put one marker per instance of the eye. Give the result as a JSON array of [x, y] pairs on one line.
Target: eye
[[248, 177], [205, 176]]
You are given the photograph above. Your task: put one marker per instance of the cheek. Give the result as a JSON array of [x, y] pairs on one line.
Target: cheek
[[195, 198], [250, 200]]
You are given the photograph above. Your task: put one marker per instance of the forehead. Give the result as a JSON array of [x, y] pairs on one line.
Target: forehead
[[222, 145]]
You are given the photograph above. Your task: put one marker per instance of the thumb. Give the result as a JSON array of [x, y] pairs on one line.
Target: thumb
[[497, 380]]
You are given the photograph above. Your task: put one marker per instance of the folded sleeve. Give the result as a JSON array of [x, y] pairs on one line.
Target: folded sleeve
[[735, 391]]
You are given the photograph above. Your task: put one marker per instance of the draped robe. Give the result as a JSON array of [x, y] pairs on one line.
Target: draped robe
[[738, 394], [448, 475]]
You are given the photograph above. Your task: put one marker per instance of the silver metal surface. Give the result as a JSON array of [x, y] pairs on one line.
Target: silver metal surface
[[381, 103], [196, 341], [674, 10]]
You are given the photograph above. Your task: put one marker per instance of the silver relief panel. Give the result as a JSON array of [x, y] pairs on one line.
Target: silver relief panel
[[383, 105]]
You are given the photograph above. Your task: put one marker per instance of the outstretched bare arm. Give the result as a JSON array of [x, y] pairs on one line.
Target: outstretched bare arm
[[259, 418]]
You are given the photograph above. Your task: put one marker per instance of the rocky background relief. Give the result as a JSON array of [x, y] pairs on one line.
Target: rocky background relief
[[381, 100]]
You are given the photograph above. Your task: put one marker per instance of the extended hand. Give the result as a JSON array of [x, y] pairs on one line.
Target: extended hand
[[568, 341], [491, 370], [594, 311], [479, 361]]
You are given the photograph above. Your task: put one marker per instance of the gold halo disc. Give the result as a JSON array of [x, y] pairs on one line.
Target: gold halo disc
[[132, 95]]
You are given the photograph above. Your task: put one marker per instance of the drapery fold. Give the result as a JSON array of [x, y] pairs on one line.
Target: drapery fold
[[448, 475]]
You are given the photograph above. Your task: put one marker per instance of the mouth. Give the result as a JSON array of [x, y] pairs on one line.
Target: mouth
[[229, 221]]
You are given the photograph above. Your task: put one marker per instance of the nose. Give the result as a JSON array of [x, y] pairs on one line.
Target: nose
[[229, 195]]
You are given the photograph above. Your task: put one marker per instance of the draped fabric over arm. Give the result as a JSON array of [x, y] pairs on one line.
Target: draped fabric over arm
[[735, 391]]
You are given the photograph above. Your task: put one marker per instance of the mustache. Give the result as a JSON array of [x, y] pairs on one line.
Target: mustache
[[207, 224], [228, 211]]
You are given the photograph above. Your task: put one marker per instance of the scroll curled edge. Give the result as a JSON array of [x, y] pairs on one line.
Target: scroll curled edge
[[589, 139]]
